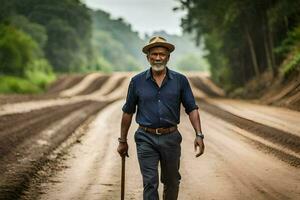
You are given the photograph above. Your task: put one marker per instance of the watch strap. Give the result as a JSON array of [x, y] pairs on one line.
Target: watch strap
[[199, 134]]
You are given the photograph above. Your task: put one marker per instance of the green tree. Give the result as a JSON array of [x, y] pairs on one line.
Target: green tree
[[36, 31], [62, 46], [68, 27], [241, 35], [192, 62], [17, 50], [114, 40]]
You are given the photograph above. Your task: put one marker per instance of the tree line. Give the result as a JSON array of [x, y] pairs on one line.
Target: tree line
[[116, 46], [41, 38], [60, 29], [246, 38]]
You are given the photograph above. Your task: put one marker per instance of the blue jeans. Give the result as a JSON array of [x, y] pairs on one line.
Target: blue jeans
[[152, 149]]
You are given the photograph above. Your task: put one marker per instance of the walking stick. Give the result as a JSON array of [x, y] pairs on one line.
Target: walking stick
[[123, 178]]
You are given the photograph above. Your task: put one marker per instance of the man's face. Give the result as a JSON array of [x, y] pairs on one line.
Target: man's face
[[158, 58]]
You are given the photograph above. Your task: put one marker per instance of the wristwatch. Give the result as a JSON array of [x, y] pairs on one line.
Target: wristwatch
[[199, 134]]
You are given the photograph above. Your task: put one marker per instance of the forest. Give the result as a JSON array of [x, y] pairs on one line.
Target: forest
[[38, 38], [246, 39], [239, 41], [42, 39]]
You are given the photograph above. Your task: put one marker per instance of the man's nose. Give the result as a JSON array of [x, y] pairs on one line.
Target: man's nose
[[157, 57]]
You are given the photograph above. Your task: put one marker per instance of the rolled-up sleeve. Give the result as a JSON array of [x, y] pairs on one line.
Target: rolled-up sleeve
[[131, 99], [187, 97]]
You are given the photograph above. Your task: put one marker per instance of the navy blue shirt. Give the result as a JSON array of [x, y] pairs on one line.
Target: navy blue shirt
[[159, 106]]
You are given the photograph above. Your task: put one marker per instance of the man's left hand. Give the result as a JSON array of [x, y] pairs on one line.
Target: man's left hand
[[198, 144]]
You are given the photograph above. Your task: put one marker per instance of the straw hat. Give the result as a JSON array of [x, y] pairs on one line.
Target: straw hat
[[158, 41]]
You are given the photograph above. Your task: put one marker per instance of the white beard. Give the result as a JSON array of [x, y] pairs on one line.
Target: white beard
[[158, 67]]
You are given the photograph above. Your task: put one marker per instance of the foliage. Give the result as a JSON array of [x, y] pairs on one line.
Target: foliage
[[290, 48], [37, 32], [241, 36], [39, 37], [68, 28], [12, 84], [114, 40], [6, 9], [192, 62], [99, 63], [291, 42], [17, 49], [292, 64], [62, 58], [36, 36], [39, 72]]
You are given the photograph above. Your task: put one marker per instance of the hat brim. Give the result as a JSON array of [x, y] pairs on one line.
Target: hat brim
[[169, 46]]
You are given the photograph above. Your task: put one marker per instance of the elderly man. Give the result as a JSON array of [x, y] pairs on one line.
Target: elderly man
[[158, 93]]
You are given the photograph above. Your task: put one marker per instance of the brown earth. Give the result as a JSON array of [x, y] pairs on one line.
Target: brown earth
[[118, 84], [269, 90], [69, 151], [233, 167], [282, 138], [15, 128], [16, 98], [284, 93], [65, 82], [25, 144], [95, 85], [199, 83]]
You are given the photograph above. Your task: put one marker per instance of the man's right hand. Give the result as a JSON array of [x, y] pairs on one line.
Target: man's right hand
[[123, 149]]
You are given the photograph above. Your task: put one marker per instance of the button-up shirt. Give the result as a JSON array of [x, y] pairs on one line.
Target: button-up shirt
[[159, 106]]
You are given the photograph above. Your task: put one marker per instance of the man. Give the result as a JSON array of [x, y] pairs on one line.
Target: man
[[157, 93]]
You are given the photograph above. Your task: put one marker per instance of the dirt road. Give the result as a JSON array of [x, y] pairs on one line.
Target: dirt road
[[247, 155], [231, 168]]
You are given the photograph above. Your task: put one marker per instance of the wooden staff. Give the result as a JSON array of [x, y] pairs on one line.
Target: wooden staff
[[123, 178]]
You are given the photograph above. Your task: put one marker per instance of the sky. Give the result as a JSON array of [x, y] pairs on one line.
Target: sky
[[145, 16]]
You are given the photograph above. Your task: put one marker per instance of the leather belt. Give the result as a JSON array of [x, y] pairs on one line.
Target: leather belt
[[159, 131]]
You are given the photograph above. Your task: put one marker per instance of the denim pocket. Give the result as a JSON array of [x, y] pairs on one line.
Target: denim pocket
[[136, 135], [179, 136]]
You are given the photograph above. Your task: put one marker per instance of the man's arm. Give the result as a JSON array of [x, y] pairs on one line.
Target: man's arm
[[125, 124], [195, 121]]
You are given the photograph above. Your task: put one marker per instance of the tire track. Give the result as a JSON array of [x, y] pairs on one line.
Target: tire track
[[29, 152], [197, 82], [95, 85], [279, 137], [118, 84], [18, 127], [91, 163], [64, 83]]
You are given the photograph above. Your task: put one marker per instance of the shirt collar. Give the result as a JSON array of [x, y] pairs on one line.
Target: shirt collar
[[149, 74]]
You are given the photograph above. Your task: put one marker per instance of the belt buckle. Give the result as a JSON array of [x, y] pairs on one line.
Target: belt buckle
[[157, 132]]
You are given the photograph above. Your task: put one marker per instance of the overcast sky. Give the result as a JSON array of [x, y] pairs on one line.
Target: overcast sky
[[145, 16]]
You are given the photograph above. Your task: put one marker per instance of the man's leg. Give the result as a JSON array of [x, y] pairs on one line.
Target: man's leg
[[148, 158], [170, 151]]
